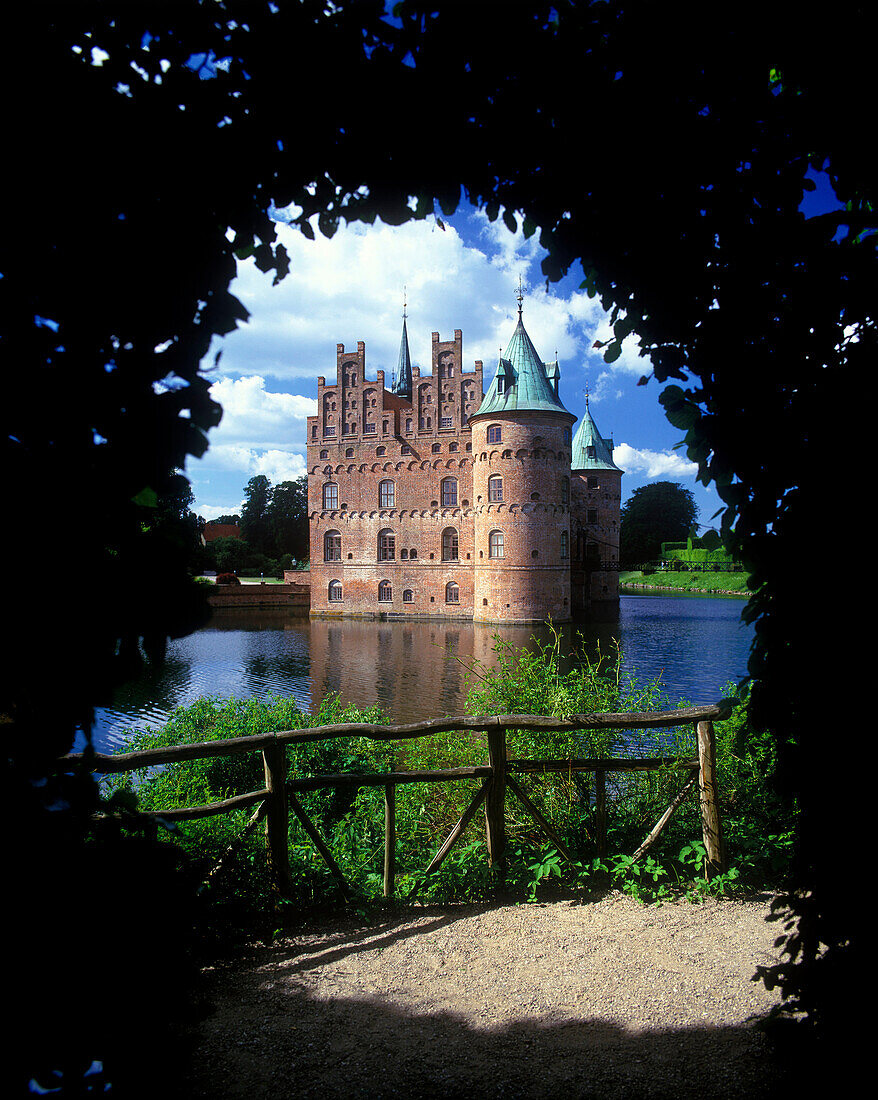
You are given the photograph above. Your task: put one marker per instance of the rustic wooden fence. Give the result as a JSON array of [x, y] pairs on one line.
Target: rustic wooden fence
[[274, 802]]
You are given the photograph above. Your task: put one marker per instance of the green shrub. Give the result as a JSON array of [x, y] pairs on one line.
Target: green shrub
[[532, 681]]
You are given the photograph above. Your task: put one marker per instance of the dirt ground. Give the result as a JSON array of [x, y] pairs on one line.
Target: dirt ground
[[606, 998]]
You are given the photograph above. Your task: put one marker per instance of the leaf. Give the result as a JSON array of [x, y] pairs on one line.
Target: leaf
[[146, 498]]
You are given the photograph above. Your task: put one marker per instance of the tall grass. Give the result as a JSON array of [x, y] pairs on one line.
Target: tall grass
[[531, 681]]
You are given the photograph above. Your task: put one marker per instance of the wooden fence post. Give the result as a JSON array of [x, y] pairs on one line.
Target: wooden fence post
[[274, 759], [389, 839], [600, 812], [495, 800], [711, 826]]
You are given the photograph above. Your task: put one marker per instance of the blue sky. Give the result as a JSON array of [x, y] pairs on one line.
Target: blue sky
[[464, 276]]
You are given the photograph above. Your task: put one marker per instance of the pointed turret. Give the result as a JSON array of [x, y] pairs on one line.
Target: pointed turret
[[402, 387], [590, 450], [523, 383]]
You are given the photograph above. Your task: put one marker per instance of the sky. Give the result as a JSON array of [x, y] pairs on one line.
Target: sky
[[460, 274]]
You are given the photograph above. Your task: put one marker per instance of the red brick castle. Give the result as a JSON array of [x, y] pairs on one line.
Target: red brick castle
[[435, 499]]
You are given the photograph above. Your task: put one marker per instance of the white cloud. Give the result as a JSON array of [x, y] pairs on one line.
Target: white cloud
[[276, 464], [257, 416], [653, 464]]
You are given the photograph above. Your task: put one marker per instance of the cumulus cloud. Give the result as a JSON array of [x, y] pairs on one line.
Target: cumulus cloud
[[253, 414], [653, 464]]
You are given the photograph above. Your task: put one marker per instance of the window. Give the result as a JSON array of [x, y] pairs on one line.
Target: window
[[449, 544], [566, 435], [437, 447], [408, 425], [385, 592], [565, 490], [449, 492], [590, 451], [380, 452], [330, 495], [405, 450], [335, 593], [349, 452], [495, 544], [495, 489], [332, 546], [495, 433], [408, 596], [452, 593], [452, 447], [386, 494], [591, 515], [446, 422], [386, 545], [324, 454], [565, 544], [593, 483], [501, 385], [329, 430], [367, 428]]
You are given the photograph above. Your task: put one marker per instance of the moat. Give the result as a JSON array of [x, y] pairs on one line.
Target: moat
[[417, 669]]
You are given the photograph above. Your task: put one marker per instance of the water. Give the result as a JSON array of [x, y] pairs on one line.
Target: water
[[417, 670]]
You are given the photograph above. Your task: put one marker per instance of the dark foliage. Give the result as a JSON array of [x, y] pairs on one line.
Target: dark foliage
[[133, 184]]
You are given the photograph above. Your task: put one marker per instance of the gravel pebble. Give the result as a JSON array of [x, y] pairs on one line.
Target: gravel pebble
[[607, 998]]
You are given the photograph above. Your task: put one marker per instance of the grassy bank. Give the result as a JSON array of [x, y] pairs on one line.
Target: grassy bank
[[720, 583]]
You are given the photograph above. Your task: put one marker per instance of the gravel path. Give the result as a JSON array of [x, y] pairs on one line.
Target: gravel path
[[603, 999]]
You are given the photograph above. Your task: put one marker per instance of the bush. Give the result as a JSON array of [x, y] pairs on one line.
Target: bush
[[227, 578]]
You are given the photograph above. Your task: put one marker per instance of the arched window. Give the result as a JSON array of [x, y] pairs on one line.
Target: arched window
[[324, 454], [335, 593], [449, 492], [408, 596], [565, 490], [386, 545], [495, 433], [452, 593], [449, 544], [495, 544], [565, 544], [330, 495], [385, 592], [495, 489], [332, 546], [386, 494]]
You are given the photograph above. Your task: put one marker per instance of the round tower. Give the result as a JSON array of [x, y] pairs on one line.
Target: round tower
[[521, 440], [596, 498]]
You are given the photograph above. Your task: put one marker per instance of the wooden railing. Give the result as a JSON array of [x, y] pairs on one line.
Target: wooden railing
[[278, 797]]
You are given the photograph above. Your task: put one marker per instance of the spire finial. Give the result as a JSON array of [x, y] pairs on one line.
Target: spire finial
[[520, 297], [404, 302]]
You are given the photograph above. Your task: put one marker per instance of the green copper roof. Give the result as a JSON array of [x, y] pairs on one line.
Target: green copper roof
[[403, 383], [590, 451], [523, 383]]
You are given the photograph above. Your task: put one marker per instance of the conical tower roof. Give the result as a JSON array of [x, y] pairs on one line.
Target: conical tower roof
[[590, 450], [403, 384], [522, 382]]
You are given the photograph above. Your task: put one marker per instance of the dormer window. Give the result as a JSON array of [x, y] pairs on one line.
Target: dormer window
[[501, 384]]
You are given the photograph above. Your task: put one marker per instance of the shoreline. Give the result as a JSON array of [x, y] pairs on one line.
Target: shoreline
[[677, 591]]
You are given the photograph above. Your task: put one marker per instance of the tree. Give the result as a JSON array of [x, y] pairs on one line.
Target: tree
[[174, 127], [256, 527], [288, 518], [653, 514]]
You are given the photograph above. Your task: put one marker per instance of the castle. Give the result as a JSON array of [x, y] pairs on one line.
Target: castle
[[436, 499]]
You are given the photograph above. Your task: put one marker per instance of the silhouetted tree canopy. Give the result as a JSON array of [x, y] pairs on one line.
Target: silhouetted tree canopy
[[664, 147], [663, 511]]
